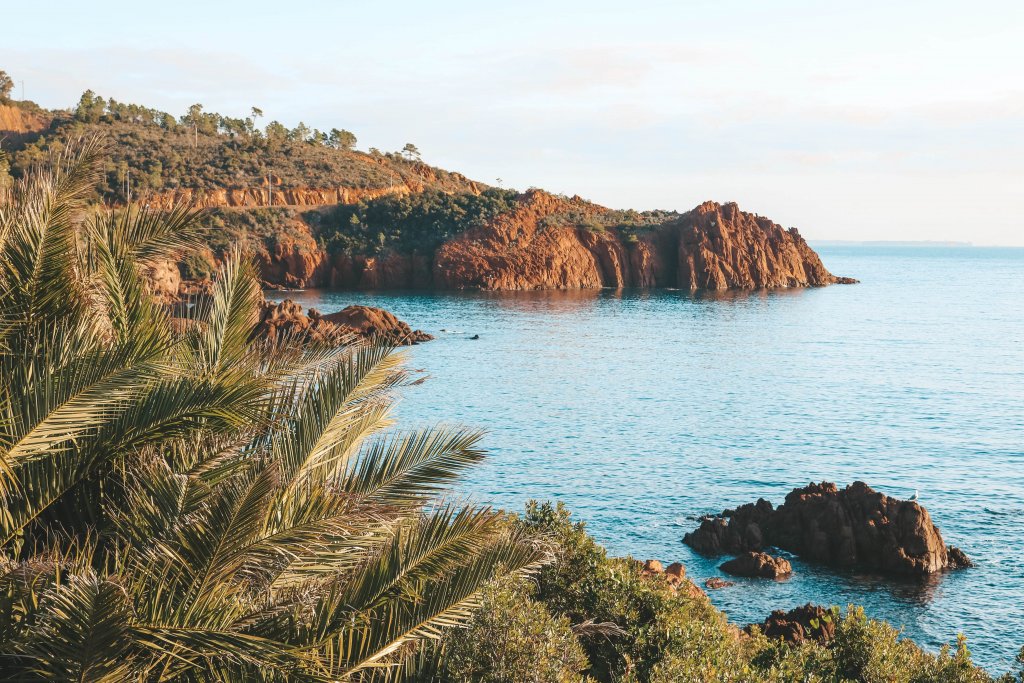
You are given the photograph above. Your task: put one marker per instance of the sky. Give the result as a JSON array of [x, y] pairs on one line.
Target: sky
[[897, 120]]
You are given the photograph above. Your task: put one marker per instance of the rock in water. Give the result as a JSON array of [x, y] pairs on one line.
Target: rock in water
[[810, 622], [288, 318], [758, 565], [378, 323], [856, 526]]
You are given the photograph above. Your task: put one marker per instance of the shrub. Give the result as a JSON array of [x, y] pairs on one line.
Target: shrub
[[514, 638]]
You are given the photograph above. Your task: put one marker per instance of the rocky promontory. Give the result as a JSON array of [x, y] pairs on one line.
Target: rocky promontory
[[852, 527], [545, 241], [713, 247]]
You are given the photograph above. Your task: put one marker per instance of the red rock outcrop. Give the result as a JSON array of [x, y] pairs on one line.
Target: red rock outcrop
[[810, 622], [518, 251], [21, 123], [721, 247], [288, 318], [758, 565], [713, 247], [371, 322], [544, 242], [675, 577], [853, 527], [252, 197]]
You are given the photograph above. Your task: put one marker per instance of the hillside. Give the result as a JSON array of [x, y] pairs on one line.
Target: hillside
[[316, 212], [212, 160]]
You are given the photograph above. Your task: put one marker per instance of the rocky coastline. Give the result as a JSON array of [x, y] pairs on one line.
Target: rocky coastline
[[553, 242], [854, 527]]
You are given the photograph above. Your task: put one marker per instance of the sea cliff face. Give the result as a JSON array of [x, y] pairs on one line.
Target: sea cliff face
[[534, 246]]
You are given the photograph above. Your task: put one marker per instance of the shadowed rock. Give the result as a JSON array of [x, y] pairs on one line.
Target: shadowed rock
[[853, 527], [758, 565], [810, 622]]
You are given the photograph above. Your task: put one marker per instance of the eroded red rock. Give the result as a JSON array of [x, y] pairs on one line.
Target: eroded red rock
[[855, 526], [288, 318], [758, 565], [810, 622]]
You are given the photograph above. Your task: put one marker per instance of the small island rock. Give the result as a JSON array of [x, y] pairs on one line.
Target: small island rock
[[758, 565]]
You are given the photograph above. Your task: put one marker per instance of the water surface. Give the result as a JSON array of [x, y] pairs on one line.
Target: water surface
[[642, 410]]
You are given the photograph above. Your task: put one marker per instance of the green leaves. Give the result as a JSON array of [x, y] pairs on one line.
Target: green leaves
[[183, 503]]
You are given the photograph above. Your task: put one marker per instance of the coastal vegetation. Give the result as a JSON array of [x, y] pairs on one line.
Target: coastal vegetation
[[635, 627], [152, 151], [415, 222], [184, 502]]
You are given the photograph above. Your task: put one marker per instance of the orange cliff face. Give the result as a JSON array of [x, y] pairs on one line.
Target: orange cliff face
[[540, 245], [253, 197], [713, 247]]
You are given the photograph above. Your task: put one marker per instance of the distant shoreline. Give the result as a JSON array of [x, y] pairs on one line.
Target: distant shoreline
[[893, 243]]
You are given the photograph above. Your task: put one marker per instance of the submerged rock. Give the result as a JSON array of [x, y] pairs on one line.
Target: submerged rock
[[714, 583], [758, 565], [856, 526]]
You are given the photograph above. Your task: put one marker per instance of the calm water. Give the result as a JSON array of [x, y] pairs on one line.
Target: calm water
[[644, 409]]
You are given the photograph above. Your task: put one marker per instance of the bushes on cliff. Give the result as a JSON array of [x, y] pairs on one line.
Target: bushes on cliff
[[638, 629], [513, 637], [414, 222]]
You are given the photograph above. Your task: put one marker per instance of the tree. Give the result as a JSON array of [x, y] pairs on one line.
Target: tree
[[300, 133], [90, 107], [411, 152], [342, 139], [251, 121], [183, 503], [276, 131], [6, 86]]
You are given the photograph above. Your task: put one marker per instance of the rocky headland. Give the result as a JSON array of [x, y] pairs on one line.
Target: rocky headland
[[852, 527], [552, 242]]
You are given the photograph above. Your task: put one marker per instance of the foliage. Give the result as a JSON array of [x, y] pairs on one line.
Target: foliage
[[514, 638], [6, 86], [649, 632], [182, 503], [406, 223], [206, 151]]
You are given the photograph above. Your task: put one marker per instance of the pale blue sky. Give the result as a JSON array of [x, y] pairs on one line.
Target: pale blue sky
[[866, 120]]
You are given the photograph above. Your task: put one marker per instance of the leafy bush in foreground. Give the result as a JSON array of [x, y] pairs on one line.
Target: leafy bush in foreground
[[652, 633]]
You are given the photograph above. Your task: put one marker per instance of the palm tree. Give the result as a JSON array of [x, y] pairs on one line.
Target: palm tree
[[183, 503]]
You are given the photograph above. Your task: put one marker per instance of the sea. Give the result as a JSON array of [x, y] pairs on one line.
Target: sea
[[642, 410]]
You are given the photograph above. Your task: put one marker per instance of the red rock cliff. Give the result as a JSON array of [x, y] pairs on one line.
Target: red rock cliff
[[712, 247], [552, 242]]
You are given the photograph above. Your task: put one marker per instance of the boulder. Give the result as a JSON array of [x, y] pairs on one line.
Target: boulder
[[810, 622], [853, 527], [371, 322], [674, 575], [354, 322], [758, 565], [715, 583]]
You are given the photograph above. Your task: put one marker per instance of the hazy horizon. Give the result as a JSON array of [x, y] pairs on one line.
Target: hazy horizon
[[861, 123]]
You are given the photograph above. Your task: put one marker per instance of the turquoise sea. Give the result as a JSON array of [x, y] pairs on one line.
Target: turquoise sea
[[642, 410]]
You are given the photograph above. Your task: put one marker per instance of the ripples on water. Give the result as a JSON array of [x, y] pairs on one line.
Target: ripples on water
[[645, 409]]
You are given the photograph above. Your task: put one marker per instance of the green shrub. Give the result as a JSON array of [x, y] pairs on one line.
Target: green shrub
[[513, 638]]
